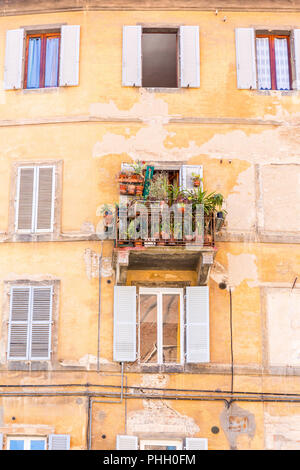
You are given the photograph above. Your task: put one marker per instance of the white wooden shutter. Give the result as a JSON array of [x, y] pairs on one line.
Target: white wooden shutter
[[197, 324], [69, 55], [18, 330], [132, 56], [41, 317], [127, 442], [195, 443], [25, 199], [45, 199], [185, 175], [189, 56], [59, 442], [245, 58], [14, 51], [296, 37], [1, 441], [124, 323]]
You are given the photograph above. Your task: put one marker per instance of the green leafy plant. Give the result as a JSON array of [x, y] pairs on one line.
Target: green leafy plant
[[158, 189], [138, 167]]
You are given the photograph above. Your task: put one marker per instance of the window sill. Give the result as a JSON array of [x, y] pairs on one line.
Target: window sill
[[41, 90], [162, 90], [276, 92]]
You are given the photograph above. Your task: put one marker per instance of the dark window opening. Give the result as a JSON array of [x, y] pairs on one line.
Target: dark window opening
[[159, 60]]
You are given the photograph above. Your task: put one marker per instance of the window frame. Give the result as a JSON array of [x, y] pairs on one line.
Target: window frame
[[165, 442], [160, 291], [36, 169], [43, 37], [27, 441], [271, 37], [163, 30]]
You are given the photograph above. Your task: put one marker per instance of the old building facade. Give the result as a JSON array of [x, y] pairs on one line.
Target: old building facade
[[109, 344]]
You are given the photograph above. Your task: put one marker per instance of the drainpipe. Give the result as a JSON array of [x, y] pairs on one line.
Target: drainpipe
[[99, 309]]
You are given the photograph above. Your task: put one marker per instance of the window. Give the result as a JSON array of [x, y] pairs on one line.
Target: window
[[42, 60], [35, 199], [127, 442], [273, 62], [26, 443], [152, 444], [263, 59], [159, 59], [157, 325], [30, 320], [151, 57], [49, 59], [161, 326]]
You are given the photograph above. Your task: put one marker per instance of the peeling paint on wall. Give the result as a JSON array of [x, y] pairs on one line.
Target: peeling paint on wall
[[282, 432], [236, 421], [92, 265], [242, 267], [240, 203], [159, 417]]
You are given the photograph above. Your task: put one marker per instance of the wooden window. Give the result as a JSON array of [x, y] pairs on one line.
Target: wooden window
[[42, 60], [273, 62]]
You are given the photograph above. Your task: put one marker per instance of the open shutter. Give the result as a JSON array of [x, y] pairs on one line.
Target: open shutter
[[189, 56], [132, 56], [197, 324], [185, 175], [1, 441], [125, 323], [127, 442], [18, 331], [245, 58], [59, 442], [45, 199], [69, 55], [25, 199], [296, 36], [13, 68], [195, 443], [41, 323]]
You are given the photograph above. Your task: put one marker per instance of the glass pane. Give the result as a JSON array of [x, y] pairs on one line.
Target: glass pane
[[263, 63], [37, 445], [148, 328], [282, 64], [33, 67], [159, 57], [16, 444], [51, 68], [171, 327]]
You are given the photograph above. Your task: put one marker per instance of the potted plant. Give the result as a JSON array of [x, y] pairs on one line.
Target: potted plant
[[196, 178], [158, 189], [221, 213]]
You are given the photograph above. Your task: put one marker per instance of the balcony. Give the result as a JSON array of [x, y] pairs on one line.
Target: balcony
[[161, 226]]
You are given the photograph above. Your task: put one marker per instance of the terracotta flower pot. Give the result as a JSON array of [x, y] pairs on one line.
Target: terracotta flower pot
[[196, 183], [131, 189]]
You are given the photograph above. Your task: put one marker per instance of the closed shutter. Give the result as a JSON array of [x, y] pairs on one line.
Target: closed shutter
[[127, 442], [41, 323], [18, 331], [125, 323], [195, 443], [189, 56], [197, 324], [45, 199], [245, 58], [69, 55], [132, 56], [1, 441], [13, 68], [296, 35], [185, 175], [25, 199], [59, 442]]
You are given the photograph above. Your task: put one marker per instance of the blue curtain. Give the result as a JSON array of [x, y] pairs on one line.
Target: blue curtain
[[51, 69], [16, 444], [37, 445], [34, 57]]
